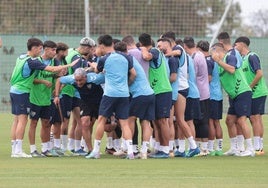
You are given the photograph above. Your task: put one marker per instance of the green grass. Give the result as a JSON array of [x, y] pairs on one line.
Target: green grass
[[113, 172]]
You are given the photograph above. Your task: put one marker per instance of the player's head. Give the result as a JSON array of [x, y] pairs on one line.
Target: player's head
[[241, 44], [35, 46], [50, 48], [203, 45], [87, 45], [129, 40], [62, 49], [121, 47], [188, 42], [80, 76], [104, 42], [243, 39], [145, 39], [164, 45], [170, 35], [217, 48], [224, 38]]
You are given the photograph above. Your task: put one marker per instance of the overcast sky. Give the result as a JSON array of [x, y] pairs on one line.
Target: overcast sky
[[250, 6]]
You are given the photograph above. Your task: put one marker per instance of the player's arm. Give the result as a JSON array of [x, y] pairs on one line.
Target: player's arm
[[229, 66], [45, 82], [254, 62], [173, 67], [132, 75], [174, 53], [146, 55], [60, 67], [69, 79]]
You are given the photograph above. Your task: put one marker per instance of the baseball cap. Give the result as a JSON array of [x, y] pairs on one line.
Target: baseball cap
[[86, 41], [243, 39]]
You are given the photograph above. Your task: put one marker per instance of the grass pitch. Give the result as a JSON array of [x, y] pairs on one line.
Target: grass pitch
[[114, 172]]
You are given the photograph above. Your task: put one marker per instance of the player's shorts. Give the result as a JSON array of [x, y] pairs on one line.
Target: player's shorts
[[215, 109], [192, 110], [184, 92], [76, 102], [20, 103], [66, 106], [163, 104], [241, 105], [87, 109], [37, 112], [201, 125], [55, 115], [143, 107], [117, 105], [258, 105]]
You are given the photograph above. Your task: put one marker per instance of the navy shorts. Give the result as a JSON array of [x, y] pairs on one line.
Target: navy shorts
[[76, 102], [215, 109], [20, 103], [258, 105], [37, 112], [201, 125], [184, 92], [241, 105], [143, 107], [88, 109], [55, 114], [66, 106], [192, 110], [163, 104], [117, 105]]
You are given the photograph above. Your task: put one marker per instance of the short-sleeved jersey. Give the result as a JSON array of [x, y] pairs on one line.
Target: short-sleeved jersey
[[138, 55], [115, 67], [214, 84], [40, 94], [25, 70], [251, 63], [140, 85], [201, 71], [193, 90], [173, 67], [183, 70], [239, 83]]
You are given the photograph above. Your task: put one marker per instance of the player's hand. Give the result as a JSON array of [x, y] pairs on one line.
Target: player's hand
[[56, 100], [48, 84]]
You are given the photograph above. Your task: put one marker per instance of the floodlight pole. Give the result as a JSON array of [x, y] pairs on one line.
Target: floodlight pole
[[221, 22], [87, 23]]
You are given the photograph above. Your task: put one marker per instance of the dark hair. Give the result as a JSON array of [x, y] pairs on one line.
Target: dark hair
[[145, 39], [106, 40], [33, 42], [116, 41], [189, 42], [49, 44], [129, 40], [203, 45], [170, 34], [179, 42], [224, 37], [164, 40], [121, 46], [61, 47], [243, 39]]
